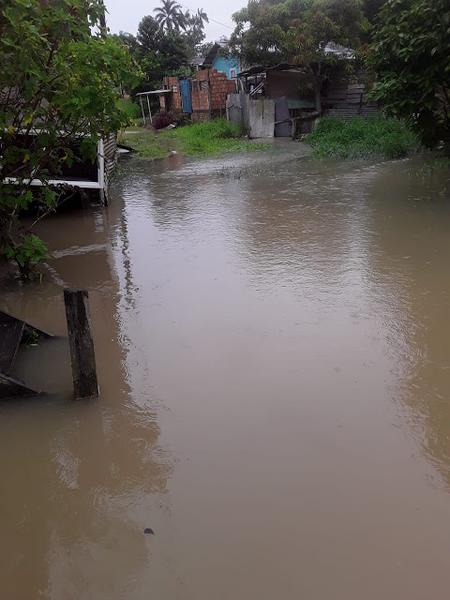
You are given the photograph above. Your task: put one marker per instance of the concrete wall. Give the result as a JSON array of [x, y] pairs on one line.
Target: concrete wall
[[237, 110], [261, 114]]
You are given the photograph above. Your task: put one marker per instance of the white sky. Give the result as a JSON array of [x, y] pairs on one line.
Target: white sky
[[124, 15]]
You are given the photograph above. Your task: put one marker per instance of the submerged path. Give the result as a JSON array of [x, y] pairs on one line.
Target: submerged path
[[273, 350]]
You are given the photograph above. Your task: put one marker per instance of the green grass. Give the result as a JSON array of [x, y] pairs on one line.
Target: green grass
[[362, 138], [200, 139], [146, 142], [211, 137]]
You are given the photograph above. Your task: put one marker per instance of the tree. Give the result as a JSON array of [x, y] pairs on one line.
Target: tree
[[298, 31], [159, 52], [194, 33], [169, 15], [411, 57], [371, 8], [149, 35], [59, 81]]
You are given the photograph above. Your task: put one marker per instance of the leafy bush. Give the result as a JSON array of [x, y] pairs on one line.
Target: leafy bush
[[162, 119], [130, 108], [362, 138], [58, 84]]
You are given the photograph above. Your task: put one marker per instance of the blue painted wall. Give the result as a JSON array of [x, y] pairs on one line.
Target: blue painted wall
[[224, 64]]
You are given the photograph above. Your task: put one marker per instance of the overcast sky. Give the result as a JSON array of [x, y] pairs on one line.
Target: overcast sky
[[124, 15]]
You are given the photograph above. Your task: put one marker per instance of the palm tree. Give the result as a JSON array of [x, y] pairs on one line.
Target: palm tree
[[169, 15], [202, 17]]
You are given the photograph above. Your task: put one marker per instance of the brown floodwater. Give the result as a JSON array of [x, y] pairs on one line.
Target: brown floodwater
[[273, 347]]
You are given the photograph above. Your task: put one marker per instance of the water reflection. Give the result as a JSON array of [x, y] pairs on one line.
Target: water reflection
[[409, 262], [83, 479], [269, 331]]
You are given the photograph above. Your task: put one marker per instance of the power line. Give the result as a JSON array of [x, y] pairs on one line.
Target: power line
[[209, 19]]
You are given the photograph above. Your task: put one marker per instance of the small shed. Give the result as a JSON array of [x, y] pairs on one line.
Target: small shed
[[144, 101]]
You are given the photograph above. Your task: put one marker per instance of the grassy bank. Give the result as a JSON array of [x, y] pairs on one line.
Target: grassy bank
[[147, 143], [199, 139], [362, 138]]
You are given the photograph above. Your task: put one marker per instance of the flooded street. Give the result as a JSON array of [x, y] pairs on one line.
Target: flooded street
[[272, 337]]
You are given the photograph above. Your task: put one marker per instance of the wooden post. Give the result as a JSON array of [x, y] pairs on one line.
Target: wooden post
[[81, 344], [149, 111], [142, 110]]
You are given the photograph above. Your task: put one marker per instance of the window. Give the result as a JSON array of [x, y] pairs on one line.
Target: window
[[232, 73]]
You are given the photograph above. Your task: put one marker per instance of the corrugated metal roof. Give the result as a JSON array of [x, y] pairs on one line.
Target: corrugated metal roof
[[154, 92]]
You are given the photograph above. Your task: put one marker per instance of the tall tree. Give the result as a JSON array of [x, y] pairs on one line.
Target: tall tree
[[194, 30], [298, 31], [411, 56], [169, 15], [159, 52]]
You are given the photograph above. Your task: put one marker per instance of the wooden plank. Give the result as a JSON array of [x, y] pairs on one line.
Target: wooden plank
[[81, 344], [11, 388], [11, 332]]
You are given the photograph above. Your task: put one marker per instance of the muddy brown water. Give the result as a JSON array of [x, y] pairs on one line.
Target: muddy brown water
[[273, 346]]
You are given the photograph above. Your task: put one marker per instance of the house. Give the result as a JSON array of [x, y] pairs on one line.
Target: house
[[288, 93], [221, 60]]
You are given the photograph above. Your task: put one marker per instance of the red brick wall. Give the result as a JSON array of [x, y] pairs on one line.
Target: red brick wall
[[209, 91], [220, 88], [200, 93], [173, 100]]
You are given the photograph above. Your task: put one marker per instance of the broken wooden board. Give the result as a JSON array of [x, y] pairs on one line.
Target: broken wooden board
[[11, 332], [10, 388]]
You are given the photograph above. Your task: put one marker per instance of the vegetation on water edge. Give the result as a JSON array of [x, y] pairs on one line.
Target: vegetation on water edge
[[146, 142], [362, 138], [199, 139], [59, 92]]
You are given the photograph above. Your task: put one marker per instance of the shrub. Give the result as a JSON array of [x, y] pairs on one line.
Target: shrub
[[162, 119], [130, 108], [362, 138]]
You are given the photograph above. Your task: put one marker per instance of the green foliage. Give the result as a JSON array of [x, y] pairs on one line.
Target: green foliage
[[130, 108], [165, 43], [411, 56], [200, 139], [210, 137], [59, 81], [169, 15], [362, 138], [147, 143], [297, 31], [29, 253]]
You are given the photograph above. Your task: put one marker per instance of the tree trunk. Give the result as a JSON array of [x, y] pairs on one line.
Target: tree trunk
[[317, 94]]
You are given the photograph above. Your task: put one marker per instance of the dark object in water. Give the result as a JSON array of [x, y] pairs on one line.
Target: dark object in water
[[81, 344], [125, 147], [149, 530], [12, 333]]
